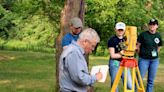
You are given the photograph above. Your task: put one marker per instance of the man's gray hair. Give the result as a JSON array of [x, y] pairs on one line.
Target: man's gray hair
[[89, 34]]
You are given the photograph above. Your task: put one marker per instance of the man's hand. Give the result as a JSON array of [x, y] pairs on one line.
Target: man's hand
[[99, 75]]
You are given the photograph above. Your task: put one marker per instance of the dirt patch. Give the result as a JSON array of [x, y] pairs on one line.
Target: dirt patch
[[6, 57], [5, 81]]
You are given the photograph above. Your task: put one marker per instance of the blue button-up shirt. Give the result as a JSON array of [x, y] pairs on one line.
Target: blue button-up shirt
[[68, 38], [73, 70]]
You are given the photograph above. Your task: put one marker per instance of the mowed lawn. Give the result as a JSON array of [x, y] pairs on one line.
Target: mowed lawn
[[35, 72], [27, 72]]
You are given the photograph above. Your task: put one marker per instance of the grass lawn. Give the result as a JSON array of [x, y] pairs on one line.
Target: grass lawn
[[26, 72], [35, 72]]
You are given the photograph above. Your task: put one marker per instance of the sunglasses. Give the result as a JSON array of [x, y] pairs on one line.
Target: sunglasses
[[120, 30], [78, 28]]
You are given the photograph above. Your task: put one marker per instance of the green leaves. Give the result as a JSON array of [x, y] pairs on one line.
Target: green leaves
[[5, 22], [103, 14], [37, 22]]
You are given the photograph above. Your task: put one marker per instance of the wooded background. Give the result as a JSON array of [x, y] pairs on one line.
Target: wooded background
[[35, 24]]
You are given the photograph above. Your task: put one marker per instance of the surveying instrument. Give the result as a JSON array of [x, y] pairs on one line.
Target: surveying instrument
[[129, 62]]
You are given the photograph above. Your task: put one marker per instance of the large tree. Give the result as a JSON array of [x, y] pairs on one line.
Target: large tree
[[72, 8]]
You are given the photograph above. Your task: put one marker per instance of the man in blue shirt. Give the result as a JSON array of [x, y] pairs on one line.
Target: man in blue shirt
[[76, 28], [73, 70]]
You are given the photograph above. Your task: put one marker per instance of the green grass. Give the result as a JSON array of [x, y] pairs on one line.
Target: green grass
[[27, 72], [35, 72]]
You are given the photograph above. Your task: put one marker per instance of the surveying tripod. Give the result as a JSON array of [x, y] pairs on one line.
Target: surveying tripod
[[125, 64], [129, 62]]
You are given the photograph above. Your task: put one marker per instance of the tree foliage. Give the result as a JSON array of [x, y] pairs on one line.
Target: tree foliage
[[102, 15], [31, 23], [37, 22]]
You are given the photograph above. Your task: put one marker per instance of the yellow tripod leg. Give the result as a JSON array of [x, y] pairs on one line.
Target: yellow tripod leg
[[117, 79], [125, 79], [136, 80], [140, 89], [133, 78]]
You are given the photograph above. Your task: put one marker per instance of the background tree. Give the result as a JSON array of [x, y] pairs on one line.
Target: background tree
[[33, 25], [72, 8]]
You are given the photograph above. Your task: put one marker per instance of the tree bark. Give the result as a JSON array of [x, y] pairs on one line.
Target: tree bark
[[72, 8]]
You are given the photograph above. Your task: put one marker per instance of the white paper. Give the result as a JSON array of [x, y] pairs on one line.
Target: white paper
[[103, 69]]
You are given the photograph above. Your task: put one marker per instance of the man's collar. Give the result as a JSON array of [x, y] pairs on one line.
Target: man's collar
[[80, 48]]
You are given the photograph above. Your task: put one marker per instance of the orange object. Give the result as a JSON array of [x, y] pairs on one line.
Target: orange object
[[125, 64]]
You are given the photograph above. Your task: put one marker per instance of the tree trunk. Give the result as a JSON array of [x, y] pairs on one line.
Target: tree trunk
[[72, 8]]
